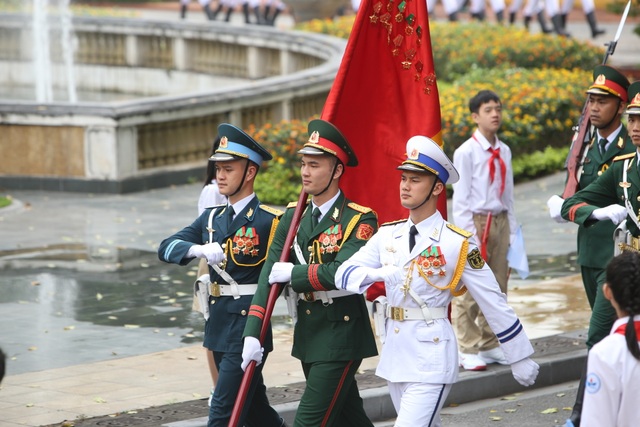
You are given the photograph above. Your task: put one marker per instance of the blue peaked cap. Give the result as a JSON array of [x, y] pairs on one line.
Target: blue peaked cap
[[236, 144]]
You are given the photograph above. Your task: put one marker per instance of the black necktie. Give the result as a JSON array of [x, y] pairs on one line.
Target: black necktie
[[315, 216], [603, 144], [412, 237], [230, 213]]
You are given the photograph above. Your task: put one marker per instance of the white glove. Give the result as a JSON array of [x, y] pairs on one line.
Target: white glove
[[614, 213], [251, 350], [213, 253], [280, 273], [525, 371], [390, 274], [555, 207]]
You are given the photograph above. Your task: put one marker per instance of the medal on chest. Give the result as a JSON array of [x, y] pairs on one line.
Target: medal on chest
[[329, 239], [246, 242], [431, 262]]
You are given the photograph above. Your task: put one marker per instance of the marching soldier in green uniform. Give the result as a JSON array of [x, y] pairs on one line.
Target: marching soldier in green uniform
[[332, 328], [608, 95], [234, 239]]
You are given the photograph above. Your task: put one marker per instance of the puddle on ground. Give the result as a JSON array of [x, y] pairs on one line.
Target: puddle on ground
[[69, 304]]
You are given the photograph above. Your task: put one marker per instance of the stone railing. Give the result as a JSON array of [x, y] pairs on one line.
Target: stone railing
[[180, 80]]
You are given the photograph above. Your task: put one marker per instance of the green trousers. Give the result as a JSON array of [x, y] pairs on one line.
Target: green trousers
[[603, 315], [331, 396]]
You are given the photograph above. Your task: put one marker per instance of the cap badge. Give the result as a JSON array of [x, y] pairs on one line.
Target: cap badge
[[601, 80], [636, 99], [315, 137], [414, 154], [223, 142]]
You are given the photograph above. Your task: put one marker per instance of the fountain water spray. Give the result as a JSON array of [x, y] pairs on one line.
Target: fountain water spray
[[41, 50]]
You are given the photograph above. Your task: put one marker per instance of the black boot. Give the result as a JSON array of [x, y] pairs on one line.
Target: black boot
[[215, 13], [500, 16], [256, 12], [577, 407], [591, 19], [265, 16], [543, 23], [527, 21], [245, 11], [207, 11], [272, 21], [563, 21], [227, 17], [557, 26], [479, 16], [512, 18], [453, 17], [183, 11]]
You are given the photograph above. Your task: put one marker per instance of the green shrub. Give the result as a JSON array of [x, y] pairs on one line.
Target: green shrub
[[279, 180], [539, 163], [504, 47], [494, 46], [540, 107]]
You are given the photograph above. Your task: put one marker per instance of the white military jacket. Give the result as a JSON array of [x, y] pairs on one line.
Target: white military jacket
[[444, 260]]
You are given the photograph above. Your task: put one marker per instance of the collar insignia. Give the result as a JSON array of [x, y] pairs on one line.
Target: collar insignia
[[336, 213]]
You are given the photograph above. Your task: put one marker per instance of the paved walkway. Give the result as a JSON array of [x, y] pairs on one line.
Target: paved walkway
[[171, 381]]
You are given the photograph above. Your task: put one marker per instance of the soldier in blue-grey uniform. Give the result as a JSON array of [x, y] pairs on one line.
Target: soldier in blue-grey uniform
[[234, 239], [424, 262]]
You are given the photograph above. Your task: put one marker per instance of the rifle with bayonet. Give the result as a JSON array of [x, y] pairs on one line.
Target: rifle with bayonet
[[583, 132]]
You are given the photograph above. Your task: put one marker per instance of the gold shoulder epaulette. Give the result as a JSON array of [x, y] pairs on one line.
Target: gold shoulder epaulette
[[397, 221], [459, 230], [274, 211], [294, 204], [624, 156], [357, 207]]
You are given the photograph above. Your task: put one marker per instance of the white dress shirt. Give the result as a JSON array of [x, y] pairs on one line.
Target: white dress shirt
[[474, 193], [613, 374]]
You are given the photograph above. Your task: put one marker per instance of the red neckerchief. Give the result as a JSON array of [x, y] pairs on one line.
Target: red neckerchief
[[495, 154], [620, 329]]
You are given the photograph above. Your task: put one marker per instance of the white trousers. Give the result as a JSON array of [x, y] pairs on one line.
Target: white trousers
[[478, 6], [202, 2], [587, 6], [418, 404], [450, 6]]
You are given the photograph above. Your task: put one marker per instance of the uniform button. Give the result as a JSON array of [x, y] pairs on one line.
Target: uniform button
[[599, 173], [396, 330], [243, 312], [436, 340], [213, 301], [346, 318], [308, 311], [639, 198]]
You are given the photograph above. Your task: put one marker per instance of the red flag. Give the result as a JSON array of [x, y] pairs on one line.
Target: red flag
[[385, 92]]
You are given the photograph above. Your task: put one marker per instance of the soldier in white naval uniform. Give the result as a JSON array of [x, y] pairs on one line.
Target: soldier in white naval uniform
[[419, 354]]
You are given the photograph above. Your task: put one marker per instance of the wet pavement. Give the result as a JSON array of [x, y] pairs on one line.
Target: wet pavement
[[94, 325]]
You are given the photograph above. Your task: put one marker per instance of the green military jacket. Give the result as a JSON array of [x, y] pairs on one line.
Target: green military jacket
[[591, 252], [607, 190], [324, 332]]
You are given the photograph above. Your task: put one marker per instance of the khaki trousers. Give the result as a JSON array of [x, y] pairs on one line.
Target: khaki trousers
[[471, 327]]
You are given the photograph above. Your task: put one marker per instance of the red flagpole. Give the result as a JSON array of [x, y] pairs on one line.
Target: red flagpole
[[274, 292]]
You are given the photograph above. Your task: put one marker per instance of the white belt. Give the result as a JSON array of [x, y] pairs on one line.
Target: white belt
[[325, 296], [401, 313], [218, 290]]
